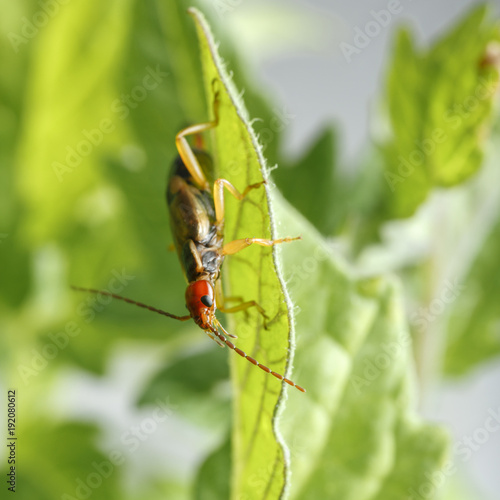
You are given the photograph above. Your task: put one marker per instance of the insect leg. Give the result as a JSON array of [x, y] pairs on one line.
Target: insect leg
[[219, 186], [221, 300], [196, 256], [186, 153], [236, 246]]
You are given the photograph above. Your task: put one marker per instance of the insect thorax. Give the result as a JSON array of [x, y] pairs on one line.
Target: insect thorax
[[211, 263], [192, 220]]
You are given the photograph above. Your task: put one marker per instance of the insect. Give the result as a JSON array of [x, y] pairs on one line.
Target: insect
[[197, 222]]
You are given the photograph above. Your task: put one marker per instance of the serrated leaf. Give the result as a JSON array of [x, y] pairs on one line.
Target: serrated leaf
[[440, 103], [251, 275]]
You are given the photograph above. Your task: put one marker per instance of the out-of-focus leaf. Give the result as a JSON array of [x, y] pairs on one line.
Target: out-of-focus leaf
[[251, 275], [161, 490], [68, 126], [213, 482], [459, 488], [440, 103], [196, 383], [319, 197], [354, 435], [365, 211], [196, 374], [474, 326], [61, 462], [14, 256], [62, 96]]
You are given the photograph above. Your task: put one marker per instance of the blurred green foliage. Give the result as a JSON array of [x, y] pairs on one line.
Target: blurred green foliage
[[89, 108], [358, 437], [440, 108], [473, 330]]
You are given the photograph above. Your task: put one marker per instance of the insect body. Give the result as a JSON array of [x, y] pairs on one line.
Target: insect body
[[197, 223]]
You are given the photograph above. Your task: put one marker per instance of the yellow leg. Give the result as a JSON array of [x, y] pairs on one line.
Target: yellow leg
[[221, 303], [197, 257], [236, 246], [243, 307], [186, 153], [219, 186]]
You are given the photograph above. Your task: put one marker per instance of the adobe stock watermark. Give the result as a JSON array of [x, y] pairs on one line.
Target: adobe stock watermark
[[223, 7], [454, 118], [120, 108], [260, 479], [281, 119], [87, 310], [303, 271], [131, 439], [363, 36], [374, 366], [464, 449], [30, 28], [447, 295]]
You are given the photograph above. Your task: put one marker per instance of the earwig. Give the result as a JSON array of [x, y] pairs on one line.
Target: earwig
[[197, 221]]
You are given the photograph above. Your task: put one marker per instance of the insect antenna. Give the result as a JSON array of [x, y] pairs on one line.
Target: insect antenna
[[243, 354], [130, 301]]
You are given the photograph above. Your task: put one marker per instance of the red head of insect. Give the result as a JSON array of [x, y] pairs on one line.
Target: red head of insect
[[201, 304]]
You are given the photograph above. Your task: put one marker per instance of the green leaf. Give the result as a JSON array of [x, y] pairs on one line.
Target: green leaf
[[197, 383], [472, 292], [321, 202], [61, 462], [213, 482], [355, 434], [62, 96], [474, 326], [251, 275], [15, 282], [440, 104]]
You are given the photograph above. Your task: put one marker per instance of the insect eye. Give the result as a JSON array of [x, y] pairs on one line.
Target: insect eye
[[207, 300]]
